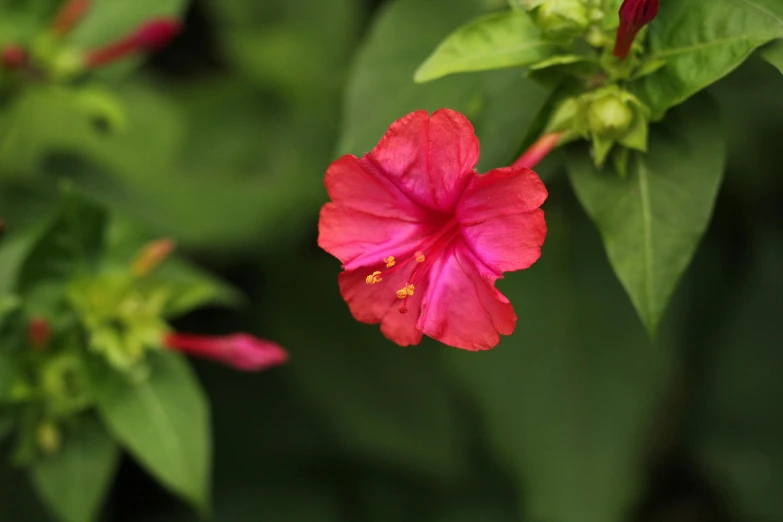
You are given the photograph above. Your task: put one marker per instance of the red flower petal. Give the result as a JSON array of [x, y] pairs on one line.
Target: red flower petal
[[463, 308], [369, 216], [431, 158], [373, 304], [500, 218]]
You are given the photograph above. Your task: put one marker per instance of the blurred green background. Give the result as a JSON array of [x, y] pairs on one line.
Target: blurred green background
[[221, 141]]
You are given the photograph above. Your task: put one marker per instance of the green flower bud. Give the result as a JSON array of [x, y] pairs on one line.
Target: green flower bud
[[65, 385], [563, 18], [609, 117], [48, 438]]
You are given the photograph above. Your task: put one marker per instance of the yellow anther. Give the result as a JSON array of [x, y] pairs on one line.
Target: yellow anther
[[374, 278], [419, 256], [389, 261], [404, 292]]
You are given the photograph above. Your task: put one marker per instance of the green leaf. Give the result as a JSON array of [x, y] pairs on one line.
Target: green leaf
[[773, 53], [190, 287], [163, 422], [73, 482], [701, 42], [652, 220], [565, 406], [733, 424], [501, 104], [71, 242], [495, 41]]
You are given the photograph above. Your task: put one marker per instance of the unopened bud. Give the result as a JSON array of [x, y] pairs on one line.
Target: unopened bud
[[561, 18], [39, 332], [70, 14], [156, 34], [634, 14], [48, 438], [14, 57], [151, 255], [150, 36], [609, 117]]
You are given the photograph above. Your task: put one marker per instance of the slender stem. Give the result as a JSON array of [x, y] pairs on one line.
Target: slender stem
[[539, 150]]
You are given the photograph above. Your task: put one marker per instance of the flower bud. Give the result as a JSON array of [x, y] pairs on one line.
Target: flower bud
[[49, 438], [38, 333], [153, 254], [14, 57], [562, 18], [150, 36], [609, 117], [634, 14], [65, 385], [69, 15]]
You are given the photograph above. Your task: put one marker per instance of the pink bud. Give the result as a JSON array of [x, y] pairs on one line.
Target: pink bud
[[240, 351], [150, 36], [156, 34], [14, 57], [634, 14], [152, 255]]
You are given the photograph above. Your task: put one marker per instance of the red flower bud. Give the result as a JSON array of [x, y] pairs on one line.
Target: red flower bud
[[14, 57], [634, 14], [69, 15], [38, 332], [241, 351], [151, 255], [150, 36]]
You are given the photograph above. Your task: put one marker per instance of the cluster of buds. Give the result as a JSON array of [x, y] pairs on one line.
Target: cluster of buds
[[606, 116], [563, 19], [568, 19], [124, 317], [51, 58], [115, 315]]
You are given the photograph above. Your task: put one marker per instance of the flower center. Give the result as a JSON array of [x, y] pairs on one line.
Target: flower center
[[433, 246]]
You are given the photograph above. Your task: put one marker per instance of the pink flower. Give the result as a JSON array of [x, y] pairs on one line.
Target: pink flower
[[241, 351], [634, 14], [151, 36], [423, 237]]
